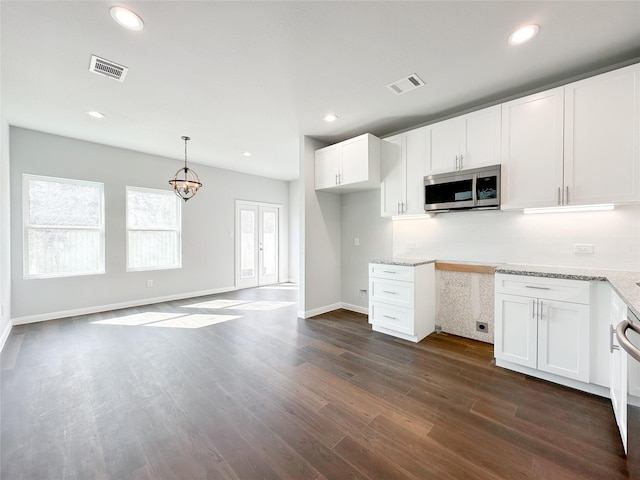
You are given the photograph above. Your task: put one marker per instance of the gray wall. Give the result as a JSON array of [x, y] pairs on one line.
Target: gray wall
[[319, 239], [207, 225], [361, 219], [294, 231], [5, 250]]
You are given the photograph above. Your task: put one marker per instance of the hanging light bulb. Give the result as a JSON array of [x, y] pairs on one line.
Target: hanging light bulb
[[185, 182]]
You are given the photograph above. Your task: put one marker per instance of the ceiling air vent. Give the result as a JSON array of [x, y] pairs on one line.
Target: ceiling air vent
[[107, 68], [406, 84]]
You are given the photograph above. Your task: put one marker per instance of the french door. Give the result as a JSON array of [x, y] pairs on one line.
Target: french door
[[257, 244]]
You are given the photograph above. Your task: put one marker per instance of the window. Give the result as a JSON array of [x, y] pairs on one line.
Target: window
[[153, 229], [63, 227]]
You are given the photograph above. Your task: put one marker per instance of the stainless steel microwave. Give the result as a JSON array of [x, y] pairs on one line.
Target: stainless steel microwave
[[476, 188]]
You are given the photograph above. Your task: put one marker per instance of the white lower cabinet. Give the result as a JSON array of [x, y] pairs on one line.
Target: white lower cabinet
[[543, 324], [402, 300], [619, 386]]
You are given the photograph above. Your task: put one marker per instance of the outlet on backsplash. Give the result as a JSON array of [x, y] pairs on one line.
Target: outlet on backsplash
[[363, 293]]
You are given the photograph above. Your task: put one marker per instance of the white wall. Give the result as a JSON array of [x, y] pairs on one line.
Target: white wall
[[207, 220], [320, 239], [361, 219], [5, 244], [294, 231], [511, 237]]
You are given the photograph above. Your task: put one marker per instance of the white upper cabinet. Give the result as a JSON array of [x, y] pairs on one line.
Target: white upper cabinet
[[574, 145], [601, 138], [467, 141], [392, 184], [532, 150], [349, 166], [403, 167]]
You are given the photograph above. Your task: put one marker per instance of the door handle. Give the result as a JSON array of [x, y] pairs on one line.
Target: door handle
[[612, 332]]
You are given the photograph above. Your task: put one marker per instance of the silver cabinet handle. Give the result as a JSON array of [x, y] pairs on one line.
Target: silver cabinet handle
[[624, 342], [457, 168], [390, 271], [566, 196], [461, 157], [533, 308], [398, 208], [559, 197], [612, 332], [540, 310], [389, 317], [537, 288], [389, 292], [336, 179]]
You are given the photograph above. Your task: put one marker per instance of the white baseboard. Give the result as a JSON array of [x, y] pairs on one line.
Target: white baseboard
[[5, 334], [550, 377], [355, 308], [114, 306], [331, 308], [320, 310]]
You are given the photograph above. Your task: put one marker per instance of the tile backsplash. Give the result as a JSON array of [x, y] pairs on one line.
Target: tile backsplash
[[511, 237]]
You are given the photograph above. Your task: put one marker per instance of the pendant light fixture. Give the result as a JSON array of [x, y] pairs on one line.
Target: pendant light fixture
[[185, 182]]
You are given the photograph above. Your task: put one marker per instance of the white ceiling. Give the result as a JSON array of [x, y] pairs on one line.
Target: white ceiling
[[256, 76]]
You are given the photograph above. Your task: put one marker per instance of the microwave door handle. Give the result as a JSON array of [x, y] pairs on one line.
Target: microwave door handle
[[474, 192]]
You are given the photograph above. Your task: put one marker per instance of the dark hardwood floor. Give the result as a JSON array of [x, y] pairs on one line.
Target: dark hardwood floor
[[143, 394]]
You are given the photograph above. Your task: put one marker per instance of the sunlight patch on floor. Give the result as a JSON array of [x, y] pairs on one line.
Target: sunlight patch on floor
[[219, 303], [167, 320], [197, 320], [136, 319], [262, 305]]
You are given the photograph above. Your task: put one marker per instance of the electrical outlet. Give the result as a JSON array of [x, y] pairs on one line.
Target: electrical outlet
[[356, 242], [149, 283], [363, 293], [482, 327], [583, 248]]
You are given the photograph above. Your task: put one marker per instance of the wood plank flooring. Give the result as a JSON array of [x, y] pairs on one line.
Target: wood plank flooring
[[134, 394]]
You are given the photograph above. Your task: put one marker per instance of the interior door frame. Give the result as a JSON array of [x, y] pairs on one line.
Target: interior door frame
[[258, 206]]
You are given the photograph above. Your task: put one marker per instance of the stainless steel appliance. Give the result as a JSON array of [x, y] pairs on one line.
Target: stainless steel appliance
[[633, 410], [475, 188]]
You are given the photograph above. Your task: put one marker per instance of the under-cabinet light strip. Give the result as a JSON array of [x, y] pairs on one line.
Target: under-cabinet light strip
[[569, 208]]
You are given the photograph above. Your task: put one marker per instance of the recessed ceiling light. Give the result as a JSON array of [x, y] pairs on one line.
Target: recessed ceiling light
[[523, 34], [95, 114], [126, 18], [330, 118], [246, 154]]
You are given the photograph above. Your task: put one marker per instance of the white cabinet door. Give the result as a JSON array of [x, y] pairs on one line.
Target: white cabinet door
[[355, 160], [392, 174], [479, 136], [516, 330], [327, 166], [532, 150], [601, 146], [444, 146], [563, 339], [416, 159], [619, 368]]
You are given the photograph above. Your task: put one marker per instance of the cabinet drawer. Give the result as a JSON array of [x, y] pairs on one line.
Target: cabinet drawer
[[391, 291], [394, 318], [391, 272], [575, 291]]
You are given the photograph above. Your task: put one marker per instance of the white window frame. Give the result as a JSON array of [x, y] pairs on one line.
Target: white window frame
[[26, 226], [178, 230]]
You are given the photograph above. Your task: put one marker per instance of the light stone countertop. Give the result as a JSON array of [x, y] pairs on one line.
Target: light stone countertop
[[625, 283], [403, 261]]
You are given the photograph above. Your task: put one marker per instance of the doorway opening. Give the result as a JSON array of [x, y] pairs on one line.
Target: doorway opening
[[257, 244]]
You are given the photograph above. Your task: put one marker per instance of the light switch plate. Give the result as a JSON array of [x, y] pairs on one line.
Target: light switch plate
[[583, 248]]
